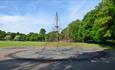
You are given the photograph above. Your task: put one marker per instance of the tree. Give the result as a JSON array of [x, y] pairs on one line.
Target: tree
[[32, 36], [65, 34], [104, 22], [73, 30], [52, 36], [42, 31], [97, 25], [17, 38], [8, 37], [2, 34]]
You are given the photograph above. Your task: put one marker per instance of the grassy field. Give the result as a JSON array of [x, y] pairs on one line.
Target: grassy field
[[9, 44]]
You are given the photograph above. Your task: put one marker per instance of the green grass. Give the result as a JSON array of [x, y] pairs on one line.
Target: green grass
[[19, 43], [10, 44]]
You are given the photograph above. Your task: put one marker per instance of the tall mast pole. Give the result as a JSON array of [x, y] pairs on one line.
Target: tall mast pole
[[57, 29]]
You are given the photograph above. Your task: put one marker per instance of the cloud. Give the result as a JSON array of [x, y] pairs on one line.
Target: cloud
[[11, 19], [25, 24]]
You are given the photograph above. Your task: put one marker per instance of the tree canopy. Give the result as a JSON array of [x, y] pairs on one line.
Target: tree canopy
[[97, 25]]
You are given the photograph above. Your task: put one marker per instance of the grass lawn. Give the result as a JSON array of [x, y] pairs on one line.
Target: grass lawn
[[10, 44]]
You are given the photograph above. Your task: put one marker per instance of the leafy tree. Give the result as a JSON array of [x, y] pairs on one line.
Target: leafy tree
[[97, 25], [8, 37], [87, 24], [42, 31], [52, 36], [65, 34], [17, 38], [32, 36], [2, 34], [73, 30], [104, 21], [41, 37]]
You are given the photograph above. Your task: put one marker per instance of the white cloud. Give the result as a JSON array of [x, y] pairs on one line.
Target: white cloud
[[11, 19], [25, 24]]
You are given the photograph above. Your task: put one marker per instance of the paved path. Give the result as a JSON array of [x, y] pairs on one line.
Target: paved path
[[8, 63]]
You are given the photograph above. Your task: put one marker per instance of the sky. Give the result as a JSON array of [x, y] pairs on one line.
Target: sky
[[26, 16]]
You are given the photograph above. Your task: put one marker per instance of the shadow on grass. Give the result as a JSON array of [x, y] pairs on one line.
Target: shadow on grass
[[106, 44]]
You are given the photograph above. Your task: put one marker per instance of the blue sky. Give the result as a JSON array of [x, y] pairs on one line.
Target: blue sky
[[30, 15]]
